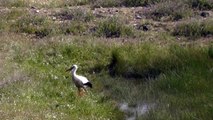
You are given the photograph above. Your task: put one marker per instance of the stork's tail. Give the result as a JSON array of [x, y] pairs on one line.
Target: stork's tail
[[88, 84]]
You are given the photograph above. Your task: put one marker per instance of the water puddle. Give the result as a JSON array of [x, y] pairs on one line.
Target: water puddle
[[133, 112]]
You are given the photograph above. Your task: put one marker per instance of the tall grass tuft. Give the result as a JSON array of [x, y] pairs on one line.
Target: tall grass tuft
[[175, 78], [77, 14], [13, 3], [169, 10], [201, 4], [195, 29], [210, 51], [127, 3], [135, 3], [150, 61], [113, 27], [32, 24]]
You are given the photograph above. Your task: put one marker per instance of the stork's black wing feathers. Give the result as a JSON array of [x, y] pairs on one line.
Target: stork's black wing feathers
[[88, 84]]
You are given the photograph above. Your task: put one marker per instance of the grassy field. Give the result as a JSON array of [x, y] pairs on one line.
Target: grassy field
[[155, 64]]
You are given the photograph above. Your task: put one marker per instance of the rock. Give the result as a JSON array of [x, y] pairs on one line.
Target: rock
[[54, 18], [37, 11], [204, 14], [32, 7], [138, 17], [143, 27]]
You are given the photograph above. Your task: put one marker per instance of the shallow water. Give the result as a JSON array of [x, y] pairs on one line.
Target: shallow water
[[132, 113]]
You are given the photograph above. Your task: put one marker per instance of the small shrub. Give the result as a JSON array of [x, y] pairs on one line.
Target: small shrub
[[2, 25], [10, 17], [78, 14], [41, 26], [75, 28], [112, 27], [38, 25], [136, 3], [13, 3], [169, 10], [45, 31], [210, 51], [15, 14], [106, 3], [27, 24], [74, 2], [195, 29], [82, 15], [127, 3], [201, 4]]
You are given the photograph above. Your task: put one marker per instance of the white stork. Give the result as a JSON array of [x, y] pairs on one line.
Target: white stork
[[81, 82]]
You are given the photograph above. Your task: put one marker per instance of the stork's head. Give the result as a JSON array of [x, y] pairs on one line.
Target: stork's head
[[74, 67]]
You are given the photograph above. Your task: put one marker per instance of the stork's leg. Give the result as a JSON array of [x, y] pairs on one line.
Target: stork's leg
[[85, 90], [80, 91]]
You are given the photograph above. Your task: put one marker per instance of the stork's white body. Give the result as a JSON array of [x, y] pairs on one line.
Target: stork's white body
[[80, 81]]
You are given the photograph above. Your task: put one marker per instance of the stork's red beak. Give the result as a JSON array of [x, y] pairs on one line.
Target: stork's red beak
[[68, 70]]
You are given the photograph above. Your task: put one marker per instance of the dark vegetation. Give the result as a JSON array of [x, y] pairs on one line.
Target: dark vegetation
[[82, 21], [170, 10], [198, 4], [195, 29], [113, 27]]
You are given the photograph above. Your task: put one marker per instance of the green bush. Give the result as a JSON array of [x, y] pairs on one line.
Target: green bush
[[201, 4], [169, 10], [8, 18], [13, 3], [75, 2], [112, 27], [15, 14], [151, 61], [106, 3], [2, 25], [41, 26], [136, 3], [195, 29], [77, 14], [210, 51], [27, 24], [74, 27], [127, 3], [38, 25]]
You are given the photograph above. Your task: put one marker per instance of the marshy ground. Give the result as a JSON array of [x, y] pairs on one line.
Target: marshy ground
[[147, 59]]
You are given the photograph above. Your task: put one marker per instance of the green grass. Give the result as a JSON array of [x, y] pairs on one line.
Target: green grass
[[195, 29], [76, 14], [201, 4], [75, 22], [125, 65], [175, 78], [41, 3], [127, 3], [178, 79], [47, 92], [113, 27], [13, 3], [139, 2], [197, 4], [180, 82], [33, 24], [170, 10], [41, 26]]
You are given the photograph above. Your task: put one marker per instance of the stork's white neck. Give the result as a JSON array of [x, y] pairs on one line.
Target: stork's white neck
[[73, 72]]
